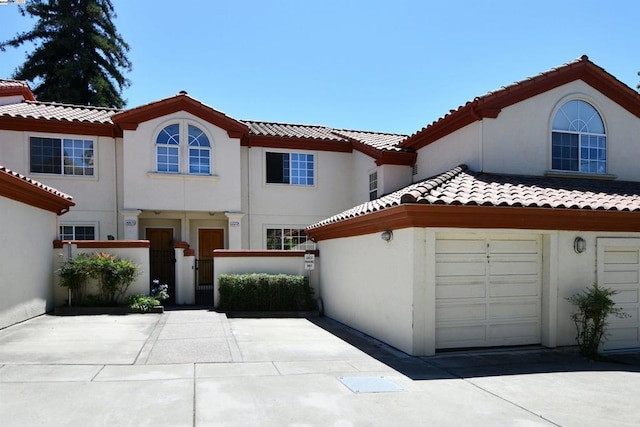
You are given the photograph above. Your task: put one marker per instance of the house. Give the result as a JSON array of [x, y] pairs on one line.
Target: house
[[526, 195], [30, 211], [469, 233]]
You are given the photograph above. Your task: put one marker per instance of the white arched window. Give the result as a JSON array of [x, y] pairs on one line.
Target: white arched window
[[578, 139], [199, 152], [195, 158], [168, 149]]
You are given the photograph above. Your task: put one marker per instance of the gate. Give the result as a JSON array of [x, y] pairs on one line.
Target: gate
[[163, 268], [204, 282]]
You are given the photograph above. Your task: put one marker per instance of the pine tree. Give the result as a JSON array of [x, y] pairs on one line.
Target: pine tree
[[79, 57]]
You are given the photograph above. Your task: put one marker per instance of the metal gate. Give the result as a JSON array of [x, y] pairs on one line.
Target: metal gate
[[163, 268], [204, 282]]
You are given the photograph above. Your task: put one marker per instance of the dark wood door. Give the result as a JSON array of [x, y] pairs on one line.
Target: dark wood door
[[162, 259], [208, 240]]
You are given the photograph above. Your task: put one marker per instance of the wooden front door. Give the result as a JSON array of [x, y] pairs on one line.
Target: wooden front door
[[208, 240], [162, 259]]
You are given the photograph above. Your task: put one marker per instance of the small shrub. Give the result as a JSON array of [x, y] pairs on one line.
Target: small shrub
[[160, 292], [142, 302], [265, 292], [594, 305], [74, 274]]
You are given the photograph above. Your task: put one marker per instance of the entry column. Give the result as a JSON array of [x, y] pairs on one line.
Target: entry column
[[235, 229], [130, 231]]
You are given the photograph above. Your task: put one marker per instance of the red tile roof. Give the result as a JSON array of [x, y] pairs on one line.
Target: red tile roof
[[15, 87], [289, 130], [24, 189], [461, 186], [55, 111]]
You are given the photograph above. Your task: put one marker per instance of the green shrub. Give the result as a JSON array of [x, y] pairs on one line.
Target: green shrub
[[142, 302], [265, 292], [594, 305], [114, 275]]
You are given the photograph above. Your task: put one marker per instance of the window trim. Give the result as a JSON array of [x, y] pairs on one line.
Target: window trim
[[578, 173], [290, 152], [61, 138]]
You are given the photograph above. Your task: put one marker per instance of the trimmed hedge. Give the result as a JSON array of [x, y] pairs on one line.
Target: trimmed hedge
[[265, 292]]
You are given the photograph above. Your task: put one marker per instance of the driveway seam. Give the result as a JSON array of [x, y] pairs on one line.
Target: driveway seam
[[144, 353], [234, 349]]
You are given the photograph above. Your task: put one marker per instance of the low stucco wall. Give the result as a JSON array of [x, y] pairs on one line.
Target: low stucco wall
[[134, 250], [270, 262], [25, 261]]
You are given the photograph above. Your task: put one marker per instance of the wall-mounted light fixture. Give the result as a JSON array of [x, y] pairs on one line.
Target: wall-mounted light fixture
[[579, 245], [156, 212], [387, 235]]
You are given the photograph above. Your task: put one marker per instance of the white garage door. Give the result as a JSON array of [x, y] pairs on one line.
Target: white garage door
[[488, 290], [619, 269]]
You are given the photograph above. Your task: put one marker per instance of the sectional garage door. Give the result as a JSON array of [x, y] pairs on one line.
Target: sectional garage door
[[488, 290], [619, 269]]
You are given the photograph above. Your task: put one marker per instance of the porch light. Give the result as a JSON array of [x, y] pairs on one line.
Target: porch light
[[579, 245], [387, 235]]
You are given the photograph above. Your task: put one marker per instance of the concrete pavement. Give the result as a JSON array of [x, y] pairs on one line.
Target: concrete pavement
[[198, 368]]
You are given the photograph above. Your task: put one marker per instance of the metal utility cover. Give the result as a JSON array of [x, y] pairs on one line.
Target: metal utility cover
[[370, 384]]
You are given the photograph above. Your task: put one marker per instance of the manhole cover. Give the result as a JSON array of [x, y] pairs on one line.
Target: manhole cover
[[370, 384]]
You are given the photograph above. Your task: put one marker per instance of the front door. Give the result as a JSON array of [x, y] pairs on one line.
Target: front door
[[208, 240], [162, 259]]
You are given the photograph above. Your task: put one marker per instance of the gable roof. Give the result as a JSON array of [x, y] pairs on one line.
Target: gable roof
[[130, 119], [16, 87], [464, 198], [26, 190], [491, 104], [54, 117]]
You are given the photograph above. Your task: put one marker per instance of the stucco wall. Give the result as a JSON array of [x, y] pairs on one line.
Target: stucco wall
[[146, 189], [367, 283], [25, 261]]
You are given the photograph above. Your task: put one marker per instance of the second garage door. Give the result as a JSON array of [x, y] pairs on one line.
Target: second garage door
[[488, 290]]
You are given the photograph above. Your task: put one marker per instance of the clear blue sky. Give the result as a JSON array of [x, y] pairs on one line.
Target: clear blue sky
[[391, 66]]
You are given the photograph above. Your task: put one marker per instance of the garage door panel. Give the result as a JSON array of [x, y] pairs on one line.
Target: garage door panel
[[620, 277], [461, 312], [490, 295], [625, 296], [461, 290], [461, 246], [514, 310], [621, 257], [513, 246], [461, 268], [622, 337], [632, 318], [524, 288]]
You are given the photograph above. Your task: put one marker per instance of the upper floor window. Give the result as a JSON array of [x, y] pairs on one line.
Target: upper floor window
[[373, 185], [290, 168], [578, 139], [62, 156], [168, 153], [199, 152]]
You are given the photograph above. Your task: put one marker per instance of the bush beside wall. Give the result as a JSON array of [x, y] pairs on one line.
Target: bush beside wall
[[265, 292]]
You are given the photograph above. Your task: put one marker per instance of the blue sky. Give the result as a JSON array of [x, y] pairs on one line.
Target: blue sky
[[391, 66]]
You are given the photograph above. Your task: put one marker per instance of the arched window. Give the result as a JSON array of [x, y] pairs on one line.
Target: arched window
[[168, 149], [578, 139], [199, 152]]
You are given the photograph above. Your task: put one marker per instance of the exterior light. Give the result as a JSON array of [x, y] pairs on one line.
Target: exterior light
[[579, 245], [387, 235]]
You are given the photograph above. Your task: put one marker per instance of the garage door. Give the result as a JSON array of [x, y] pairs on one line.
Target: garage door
[[488, 290], [619, 269]]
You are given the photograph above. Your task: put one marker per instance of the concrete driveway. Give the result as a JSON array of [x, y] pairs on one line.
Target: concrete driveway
[[198, 368]]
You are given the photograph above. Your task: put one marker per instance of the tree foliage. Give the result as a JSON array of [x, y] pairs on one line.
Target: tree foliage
[[79, 57]]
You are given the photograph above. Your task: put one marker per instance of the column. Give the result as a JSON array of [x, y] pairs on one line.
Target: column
[[130, 223], [235, 229]]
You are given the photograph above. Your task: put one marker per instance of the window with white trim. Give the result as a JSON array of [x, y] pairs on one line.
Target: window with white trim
[[373, 185], [288, 239], [169, 157], [290, 168], [77, 232], [61, 156], [578, 139]]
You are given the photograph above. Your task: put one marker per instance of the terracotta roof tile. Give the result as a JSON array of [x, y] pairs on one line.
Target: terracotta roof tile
[[380, 141], [55, 111], [291, 130], [461, 186], [16, 87], [6, 83], [35, 183]]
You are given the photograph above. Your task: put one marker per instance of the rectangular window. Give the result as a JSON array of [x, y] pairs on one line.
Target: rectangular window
[[288, 239], [77, 232], [579, 152], [373, 185], [62, 156], [290, 168]]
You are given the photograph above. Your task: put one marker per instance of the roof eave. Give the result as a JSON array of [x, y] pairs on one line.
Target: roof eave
[[35, 124], [18, 189]]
